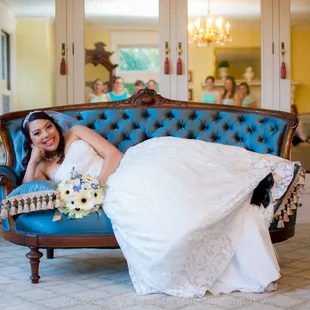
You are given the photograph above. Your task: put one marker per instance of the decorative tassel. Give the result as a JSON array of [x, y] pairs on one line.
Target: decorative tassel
[[289, 211], [283, 70], [32, 205], [4, 213], [166, 66], [302, 181], [282, 207], [179, 66], [13, 210], [39, 203], [293, 206], [277, 213], [26, 206], [280, 223], [44, 203], [63, 67], [50, 202], [20, 207], [285, 217]]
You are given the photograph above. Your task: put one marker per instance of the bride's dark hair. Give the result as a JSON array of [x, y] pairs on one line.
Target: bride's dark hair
[[27, 143]]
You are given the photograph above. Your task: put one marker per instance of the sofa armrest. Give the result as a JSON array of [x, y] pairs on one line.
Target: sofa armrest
[[8, 181]]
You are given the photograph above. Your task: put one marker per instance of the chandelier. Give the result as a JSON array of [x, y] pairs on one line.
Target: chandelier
[[213, 30]]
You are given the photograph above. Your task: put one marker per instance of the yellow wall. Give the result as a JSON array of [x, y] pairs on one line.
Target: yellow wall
[[300, 64], [35, 64], [201, 59], [94, 34]]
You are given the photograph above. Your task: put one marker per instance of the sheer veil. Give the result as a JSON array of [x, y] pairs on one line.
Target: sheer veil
[[64, 121]]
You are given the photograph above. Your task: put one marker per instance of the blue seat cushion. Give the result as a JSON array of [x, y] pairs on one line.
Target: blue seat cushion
[[41, 223]]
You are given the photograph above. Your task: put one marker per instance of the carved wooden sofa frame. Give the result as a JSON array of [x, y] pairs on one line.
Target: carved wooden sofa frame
[[211, 122]]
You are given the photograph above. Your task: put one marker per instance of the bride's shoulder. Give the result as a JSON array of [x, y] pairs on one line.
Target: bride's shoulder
[[73, 131]]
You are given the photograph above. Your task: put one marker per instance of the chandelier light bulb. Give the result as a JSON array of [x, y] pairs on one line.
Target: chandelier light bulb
[[209, 30]]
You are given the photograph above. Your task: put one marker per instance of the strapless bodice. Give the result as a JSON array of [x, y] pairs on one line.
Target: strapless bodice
[[83, 158]]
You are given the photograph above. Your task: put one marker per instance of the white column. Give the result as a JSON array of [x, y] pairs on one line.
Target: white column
[[79, 51], [285, 37], [275, 29], [70, 50], [61, 38], [181, 26], [267, 72], [164, 36], [8, 25]]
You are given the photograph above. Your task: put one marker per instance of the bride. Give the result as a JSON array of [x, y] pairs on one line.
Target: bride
[[180, 208]]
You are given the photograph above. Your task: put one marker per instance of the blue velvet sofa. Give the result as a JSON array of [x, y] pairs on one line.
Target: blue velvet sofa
[[126, 123]]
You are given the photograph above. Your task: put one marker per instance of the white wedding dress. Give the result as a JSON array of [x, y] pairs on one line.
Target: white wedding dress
[[181, 213]]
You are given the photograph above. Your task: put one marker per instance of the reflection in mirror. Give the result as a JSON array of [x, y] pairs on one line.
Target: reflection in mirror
[[131, 36], [300, 50], [238, 57], [28, 42], [98, 63]]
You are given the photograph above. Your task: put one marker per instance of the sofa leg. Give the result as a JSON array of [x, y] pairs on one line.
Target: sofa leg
[[34, 256], [50, 253]]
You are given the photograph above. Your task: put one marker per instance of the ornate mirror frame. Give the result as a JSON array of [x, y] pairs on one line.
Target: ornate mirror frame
[[100, 56]]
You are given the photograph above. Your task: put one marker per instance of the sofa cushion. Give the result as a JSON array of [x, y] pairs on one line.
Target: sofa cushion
[[41, 223], [29, 197]]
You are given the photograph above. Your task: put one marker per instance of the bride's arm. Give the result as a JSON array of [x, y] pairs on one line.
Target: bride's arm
[[33, 171], [111, 155]]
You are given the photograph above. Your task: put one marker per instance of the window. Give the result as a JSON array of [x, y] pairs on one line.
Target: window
[[139, 59], [5, 58]]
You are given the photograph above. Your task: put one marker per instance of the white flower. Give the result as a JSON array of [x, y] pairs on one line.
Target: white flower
[[65, 189], [84, 200], [97, 196], [86, 186]]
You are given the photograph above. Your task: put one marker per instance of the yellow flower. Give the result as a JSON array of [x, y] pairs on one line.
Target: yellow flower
[[90, 179]]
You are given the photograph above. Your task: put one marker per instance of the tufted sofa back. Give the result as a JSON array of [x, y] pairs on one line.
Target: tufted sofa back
[[145, 116]]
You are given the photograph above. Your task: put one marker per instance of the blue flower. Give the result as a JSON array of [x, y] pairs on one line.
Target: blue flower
[[77, 188]]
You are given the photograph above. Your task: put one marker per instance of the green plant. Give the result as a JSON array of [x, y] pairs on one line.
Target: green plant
[[224, 64]]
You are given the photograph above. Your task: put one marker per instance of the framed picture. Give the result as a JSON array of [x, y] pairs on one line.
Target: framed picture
[[190, 76], [190, 94]]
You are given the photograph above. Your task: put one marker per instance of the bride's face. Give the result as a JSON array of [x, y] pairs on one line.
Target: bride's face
[[44, 134]]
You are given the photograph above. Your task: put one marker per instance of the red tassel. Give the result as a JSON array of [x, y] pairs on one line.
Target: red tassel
[[166, 66], [283, 70], [63, 67], [179, 66]]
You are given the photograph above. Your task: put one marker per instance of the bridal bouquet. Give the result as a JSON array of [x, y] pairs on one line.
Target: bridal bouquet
[[80, 196]]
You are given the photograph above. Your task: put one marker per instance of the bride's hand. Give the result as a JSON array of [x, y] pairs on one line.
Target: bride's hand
[[36, 154]]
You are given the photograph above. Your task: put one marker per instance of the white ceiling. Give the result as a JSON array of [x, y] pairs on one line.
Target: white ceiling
[[120, 11]]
